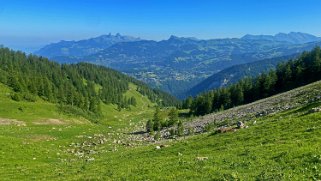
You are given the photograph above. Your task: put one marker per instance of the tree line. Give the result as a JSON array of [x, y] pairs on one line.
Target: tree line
[[288, 75], [80, 85]]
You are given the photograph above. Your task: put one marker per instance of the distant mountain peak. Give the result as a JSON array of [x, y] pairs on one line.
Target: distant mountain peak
[[116, 36], [173, 37]]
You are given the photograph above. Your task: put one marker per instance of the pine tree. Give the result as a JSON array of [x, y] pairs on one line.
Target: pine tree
[[173, 117], [157, 119], [149, 126], [180, 129], [14, 83], [188, 103], [237, 96]]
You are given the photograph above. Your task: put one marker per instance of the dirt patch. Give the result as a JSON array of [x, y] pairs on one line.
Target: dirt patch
[[5, 122], [50, 122]]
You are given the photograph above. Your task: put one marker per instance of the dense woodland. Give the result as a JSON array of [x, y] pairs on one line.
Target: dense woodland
[[288, 75], [82, 85]]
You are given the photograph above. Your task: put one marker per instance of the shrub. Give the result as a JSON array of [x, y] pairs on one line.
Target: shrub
[[29, 97], [16, 97], [157, 135], [180, 129], [149, 126], [190, 131], [172, 133]]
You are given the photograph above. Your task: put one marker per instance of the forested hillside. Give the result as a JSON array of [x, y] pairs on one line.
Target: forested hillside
[[235, 73], [288, 75], [83, 86]]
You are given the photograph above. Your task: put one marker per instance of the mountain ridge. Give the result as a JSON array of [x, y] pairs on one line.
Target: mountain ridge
[[292, 37], [234, 73], [185, 61], [83, 47]]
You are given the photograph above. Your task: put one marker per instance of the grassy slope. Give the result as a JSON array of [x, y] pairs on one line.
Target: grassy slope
[[37, 150], [285, 146], [137, 115], [28, 111]]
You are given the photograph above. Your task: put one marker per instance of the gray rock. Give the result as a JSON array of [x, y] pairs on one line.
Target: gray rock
[[240, 125]]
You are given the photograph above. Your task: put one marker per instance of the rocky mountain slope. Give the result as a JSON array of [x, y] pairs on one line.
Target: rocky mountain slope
[[285, 101]]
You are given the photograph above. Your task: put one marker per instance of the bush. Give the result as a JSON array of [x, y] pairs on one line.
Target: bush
[[16, 97], [29, 97], [209, 127], [180, 129], [157, 135], [172, 133], [164, 123], [149, 126], [190, 131]]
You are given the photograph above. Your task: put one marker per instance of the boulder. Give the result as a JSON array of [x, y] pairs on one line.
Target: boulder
[[201, 158], [164, 146], [316, 109], [240, 125]]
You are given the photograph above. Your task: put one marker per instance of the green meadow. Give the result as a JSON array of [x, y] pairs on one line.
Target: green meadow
[[44, 144]]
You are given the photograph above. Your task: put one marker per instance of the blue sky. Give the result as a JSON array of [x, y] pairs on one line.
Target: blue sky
[[30, 24]]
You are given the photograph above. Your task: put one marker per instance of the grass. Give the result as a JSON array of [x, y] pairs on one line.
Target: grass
[[285, 146], [281, 147], [39, 151], [136, 115], [26, 111]]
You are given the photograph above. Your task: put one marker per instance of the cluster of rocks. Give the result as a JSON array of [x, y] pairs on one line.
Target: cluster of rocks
[[124, 143], [201, 158], [88, 147], [316, 109]]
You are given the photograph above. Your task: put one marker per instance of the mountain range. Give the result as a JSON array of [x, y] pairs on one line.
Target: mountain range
[[178, 64], [293, 37], [74, 49]]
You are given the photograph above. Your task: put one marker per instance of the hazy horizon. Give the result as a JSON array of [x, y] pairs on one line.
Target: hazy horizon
[[32, 24]]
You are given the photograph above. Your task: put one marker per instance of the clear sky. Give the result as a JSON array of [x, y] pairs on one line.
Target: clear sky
[[29, 24]]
